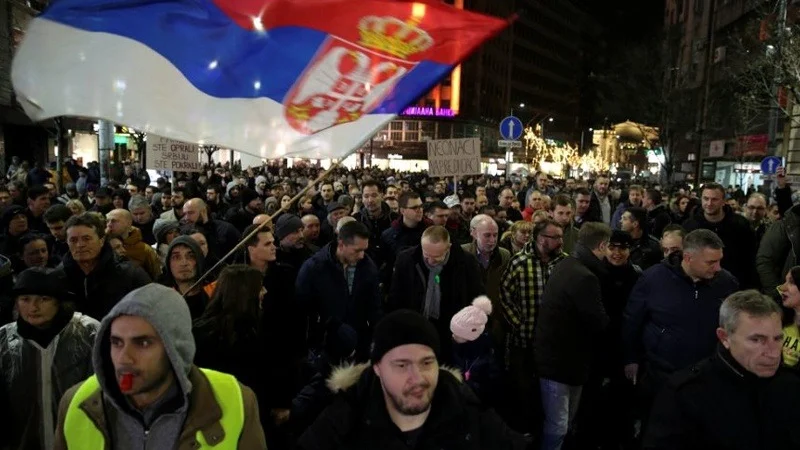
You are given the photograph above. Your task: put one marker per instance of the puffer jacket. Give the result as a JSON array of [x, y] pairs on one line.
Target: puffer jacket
[[358, 419], [670, 320], [33, 378]]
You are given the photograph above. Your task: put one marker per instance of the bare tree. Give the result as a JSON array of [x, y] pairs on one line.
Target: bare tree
[[210, 150], [768, 72]]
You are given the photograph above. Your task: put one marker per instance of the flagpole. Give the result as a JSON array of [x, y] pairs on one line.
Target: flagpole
[[258, 229]]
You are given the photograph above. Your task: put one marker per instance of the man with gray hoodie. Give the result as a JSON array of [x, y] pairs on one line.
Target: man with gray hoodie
[[184, 265], [146, 391]]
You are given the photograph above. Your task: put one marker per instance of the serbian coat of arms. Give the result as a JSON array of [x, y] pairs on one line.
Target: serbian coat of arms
[[346, 80]]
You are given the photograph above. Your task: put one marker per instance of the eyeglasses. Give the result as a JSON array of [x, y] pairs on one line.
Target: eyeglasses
[[555, 238]]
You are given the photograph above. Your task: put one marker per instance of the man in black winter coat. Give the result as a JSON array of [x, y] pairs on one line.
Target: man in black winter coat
[[436, 279], [95, 276], [571, 318], [341, 282], [733, 229], [404, 400], [740, 398]]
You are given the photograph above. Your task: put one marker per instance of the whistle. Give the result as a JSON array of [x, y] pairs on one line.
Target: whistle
[[126, 383]]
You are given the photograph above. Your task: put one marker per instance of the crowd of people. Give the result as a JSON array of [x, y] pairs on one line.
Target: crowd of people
[[394, 310]]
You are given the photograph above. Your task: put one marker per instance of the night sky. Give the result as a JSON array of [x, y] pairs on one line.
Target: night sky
[[626, 21]]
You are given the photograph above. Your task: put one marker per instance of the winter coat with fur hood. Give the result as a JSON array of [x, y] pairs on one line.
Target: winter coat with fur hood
[[358, 418]]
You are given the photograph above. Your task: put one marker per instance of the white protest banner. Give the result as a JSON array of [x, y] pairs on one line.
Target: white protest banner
[[454, 157], [169, 154]]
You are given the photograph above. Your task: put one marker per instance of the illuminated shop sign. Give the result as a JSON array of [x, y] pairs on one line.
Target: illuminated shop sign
[[428, 111]]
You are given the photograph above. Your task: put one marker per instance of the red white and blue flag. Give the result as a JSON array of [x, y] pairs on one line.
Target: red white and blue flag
[[270, 78]]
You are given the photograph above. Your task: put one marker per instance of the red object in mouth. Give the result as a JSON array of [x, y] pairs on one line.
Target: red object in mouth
[[126, 383]]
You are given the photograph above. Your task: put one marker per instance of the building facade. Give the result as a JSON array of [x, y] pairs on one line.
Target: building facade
[[710, 44]]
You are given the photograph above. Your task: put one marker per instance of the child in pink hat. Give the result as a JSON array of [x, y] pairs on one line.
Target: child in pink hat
[[474, 349], [468, 324]]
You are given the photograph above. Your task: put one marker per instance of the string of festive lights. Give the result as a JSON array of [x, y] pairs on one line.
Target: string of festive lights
[[547, 151]]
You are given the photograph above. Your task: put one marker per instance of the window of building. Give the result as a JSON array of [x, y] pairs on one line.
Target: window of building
[[458, 131], [412, 130], [445, 131], [428, 130]]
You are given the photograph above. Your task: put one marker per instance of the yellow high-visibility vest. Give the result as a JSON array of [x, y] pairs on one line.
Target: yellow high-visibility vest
[[81, 433]]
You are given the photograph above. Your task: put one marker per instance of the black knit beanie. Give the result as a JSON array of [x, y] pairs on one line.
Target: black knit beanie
[[403, 327]]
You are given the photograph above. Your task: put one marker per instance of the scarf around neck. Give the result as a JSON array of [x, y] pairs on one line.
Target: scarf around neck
[[433, 292]]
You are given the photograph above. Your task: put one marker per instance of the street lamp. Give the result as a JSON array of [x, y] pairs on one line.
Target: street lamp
[[590, 130], [522, 105], [541, 124]]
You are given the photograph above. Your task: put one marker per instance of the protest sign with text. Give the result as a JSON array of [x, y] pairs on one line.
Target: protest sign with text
[[454, 157], [169, 154]]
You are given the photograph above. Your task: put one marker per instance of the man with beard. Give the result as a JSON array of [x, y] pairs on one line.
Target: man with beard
[[403, 399], [292, 249], [601, 205], [178, 197], [521, 291]]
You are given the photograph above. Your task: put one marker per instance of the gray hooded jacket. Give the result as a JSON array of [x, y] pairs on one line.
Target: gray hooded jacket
[[158, 425]]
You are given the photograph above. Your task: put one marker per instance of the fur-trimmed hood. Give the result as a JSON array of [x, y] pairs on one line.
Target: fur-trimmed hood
[[344, 377], [358, 417]]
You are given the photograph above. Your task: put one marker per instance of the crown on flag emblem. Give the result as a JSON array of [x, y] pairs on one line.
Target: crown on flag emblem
[[393, 36]]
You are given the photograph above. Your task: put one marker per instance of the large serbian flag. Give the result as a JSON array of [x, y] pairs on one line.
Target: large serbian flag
[[270, 78]]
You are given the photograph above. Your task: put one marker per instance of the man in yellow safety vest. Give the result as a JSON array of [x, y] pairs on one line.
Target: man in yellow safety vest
[[146, 393]]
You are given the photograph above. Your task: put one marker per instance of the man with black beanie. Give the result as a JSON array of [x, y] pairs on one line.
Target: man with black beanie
[[404, 399]]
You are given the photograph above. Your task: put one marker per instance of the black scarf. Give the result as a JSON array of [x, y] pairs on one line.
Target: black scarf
[[43, 336]]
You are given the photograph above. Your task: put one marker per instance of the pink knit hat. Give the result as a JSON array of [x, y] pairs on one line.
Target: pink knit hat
[[470, 322]]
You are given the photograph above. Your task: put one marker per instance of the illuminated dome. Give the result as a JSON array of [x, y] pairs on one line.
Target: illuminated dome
[[635, 132]]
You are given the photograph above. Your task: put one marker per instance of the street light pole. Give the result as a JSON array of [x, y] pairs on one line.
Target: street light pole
[[582, 141]]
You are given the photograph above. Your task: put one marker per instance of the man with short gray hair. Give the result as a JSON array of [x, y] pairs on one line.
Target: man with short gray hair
[[673, 311], [143, 217], [739, 398], [493, 261]]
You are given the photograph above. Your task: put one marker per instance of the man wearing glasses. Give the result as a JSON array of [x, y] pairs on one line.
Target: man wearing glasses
[[521, 292], [405, 232], [756, 214]]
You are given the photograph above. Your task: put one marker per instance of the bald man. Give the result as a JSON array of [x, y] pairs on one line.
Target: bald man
[[195, 211], [221, 236], [119, 223], [261, 218], [311, 228]]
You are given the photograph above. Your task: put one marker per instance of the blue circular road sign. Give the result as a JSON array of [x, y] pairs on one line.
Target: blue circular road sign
[[511, 128], [770, 164]]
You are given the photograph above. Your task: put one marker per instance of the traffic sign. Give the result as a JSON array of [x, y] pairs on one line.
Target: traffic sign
[[511, 128], [509, 144], [770, 164]]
